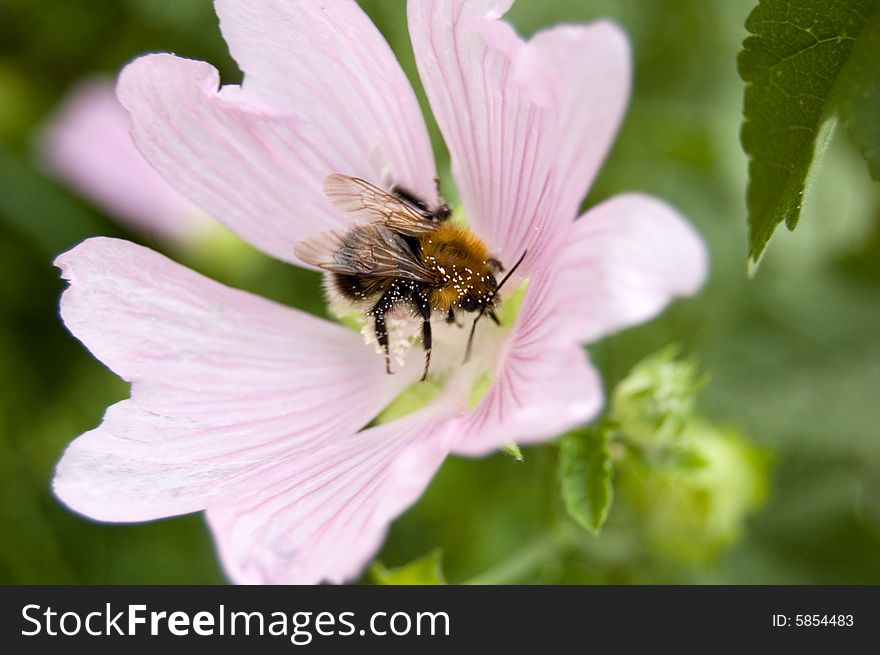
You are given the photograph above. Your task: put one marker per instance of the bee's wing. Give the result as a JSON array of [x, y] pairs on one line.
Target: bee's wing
[[369, 204], [369, 250]]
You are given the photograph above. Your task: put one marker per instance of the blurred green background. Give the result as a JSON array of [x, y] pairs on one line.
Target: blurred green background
[[793, 355]]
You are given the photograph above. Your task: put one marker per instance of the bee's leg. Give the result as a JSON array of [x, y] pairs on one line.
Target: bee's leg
[[424, 308], [439, 213], [402, 193], [382, 306], [442, 211], [450, 318], [382, 338]]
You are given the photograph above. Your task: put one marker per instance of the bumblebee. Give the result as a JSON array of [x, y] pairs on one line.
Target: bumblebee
[[399, 251]]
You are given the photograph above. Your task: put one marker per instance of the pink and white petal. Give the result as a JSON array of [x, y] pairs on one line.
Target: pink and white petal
[[329, 64], [624, 261], [543, 385], [252, 166], [495, 133], [223, 384], [322, 517], [88, 145], [583, 73]]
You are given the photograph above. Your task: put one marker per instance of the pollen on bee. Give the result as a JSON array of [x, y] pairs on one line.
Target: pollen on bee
[[402, 332]]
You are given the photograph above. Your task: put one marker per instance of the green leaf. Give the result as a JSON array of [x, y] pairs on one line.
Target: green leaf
[[858, 94], [585, 476], [791, 64], [427, 570]]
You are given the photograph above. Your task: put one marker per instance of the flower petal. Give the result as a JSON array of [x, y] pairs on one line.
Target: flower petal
[[583, 73], [544, 383], [247, 163], [494, 131], [87, 143], [328, 63], [624, 261], [322, 517], [223, 384], [322, 94]]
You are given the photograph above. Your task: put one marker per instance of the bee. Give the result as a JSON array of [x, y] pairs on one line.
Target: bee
[[399, 251]]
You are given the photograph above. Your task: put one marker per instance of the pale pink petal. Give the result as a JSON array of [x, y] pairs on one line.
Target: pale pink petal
[[543, 383], [328, 63], [496, 134], [249, 164], [224, 384], [322, 94], [88, 145], [583, 73], [322, 517], [624, 261]]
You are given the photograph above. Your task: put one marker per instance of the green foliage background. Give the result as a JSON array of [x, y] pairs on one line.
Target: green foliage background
[[793, 354]]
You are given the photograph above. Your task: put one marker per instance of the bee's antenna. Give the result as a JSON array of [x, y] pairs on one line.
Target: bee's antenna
[[470, 343], [510, 272]]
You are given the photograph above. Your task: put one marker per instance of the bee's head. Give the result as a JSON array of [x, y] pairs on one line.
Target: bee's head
[[480, 299], [481, 288], [470, 303]]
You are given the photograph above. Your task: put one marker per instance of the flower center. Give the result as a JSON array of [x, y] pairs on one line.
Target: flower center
[[402, 328]]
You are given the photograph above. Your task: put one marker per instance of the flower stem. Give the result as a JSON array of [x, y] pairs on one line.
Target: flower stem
[[541, 550]]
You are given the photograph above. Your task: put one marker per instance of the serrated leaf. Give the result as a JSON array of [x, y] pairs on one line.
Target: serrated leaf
[[857, 96], [791, 64], [585, 476], [427, 570]]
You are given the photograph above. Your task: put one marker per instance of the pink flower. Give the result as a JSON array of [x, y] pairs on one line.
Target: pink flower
[[255, 412], [87, 145]]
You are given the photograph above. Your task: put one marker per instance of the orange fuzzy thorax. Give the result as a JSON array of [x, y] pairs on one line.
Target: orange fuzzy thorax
[[461, 260]]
